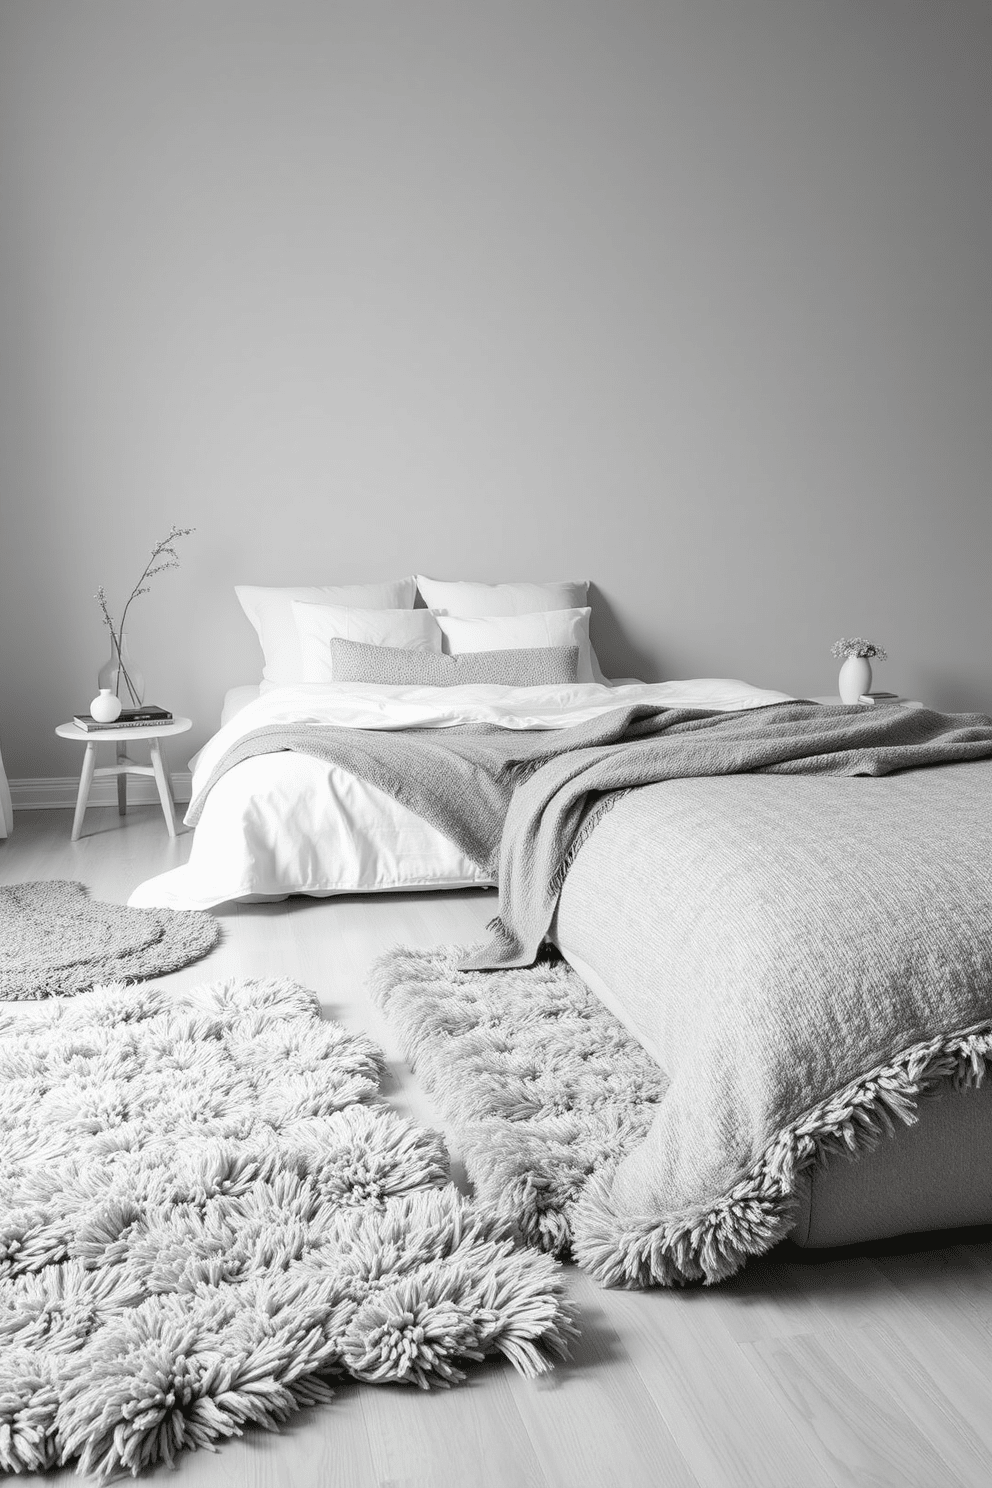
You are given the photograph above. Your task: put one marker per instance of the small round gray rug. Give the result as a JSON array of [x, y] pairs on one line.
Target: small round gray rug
[[55, 940]]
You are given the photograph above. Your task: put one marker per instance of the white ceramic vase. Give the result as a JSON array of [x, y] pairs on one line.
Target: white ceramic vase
[[106, 706], [854, 679]]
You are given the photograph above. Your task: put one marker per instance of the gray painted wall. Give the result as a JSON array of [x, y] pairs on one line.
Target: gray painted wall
[[693, 299]]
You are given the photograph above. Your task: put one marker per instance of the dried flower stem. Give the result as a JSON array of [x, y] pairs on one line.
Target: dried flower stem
[[163, 556]]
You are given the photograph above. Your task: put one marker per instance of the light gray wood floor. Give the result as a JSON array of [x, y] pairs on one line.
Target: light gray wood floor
[[855, 1372]]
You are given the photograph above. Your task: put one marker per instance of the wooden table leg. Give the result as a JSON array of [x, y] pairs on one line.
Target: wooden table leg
[[121, 782], [164, 787], [85, 781]]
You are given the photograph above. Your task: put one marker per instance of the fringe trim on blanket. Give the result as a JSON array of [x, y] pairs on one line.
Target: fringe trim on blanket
[[712, 1242], [582, 836], [508, 942]]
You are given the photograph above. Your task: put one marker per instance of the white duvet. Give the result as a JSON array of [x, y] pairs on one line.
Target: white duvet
[[285, 823]]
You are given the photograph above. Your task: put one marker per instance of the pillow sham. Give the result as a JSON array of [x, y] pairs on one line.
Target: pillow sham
[[541, 666], [468, 599], [473, 600], [513, 632], [269, 612], [319, 624]]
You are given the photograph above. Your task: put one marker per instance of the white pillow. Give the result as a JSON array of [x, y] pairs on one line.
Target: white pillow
[[480, 600], [269, 612], [518, 632], [470, 600], [318, 625]]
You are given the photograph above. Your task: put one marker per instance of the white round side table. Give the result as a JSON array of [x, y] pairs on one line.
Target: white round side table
[[125, 765]]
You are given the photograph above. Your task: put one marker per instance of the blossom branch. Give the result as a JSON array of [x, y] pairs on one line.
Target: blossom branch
[[163, 556]]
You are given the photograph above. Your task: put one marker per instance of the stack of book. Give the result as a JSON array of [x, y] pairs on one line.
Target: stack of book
[[129, 718], [881, 697]]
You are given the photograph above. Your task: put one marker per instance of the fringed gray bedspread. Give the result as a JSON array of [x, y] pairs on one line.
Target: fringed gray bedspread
[[805, 958], [782, 1041]]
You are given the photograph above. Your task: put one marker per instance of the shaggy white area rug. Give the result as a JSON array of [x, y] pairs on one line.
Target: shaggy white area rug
[[55, 940], [540, 1084], [203, 1221]]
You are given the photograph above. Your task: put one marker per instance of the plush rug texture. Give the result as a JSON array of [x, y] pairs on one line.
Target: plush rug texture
[[542, 1087], [55, 940], [204, 1219]]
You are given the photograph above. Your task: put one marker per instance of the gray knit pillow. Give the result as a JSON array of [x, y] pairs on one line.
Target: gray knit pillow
[[394, 666]]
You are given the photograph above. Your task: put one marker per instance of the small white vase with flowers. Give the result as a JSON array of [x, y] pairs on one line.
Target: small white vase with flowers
[[855, 675]]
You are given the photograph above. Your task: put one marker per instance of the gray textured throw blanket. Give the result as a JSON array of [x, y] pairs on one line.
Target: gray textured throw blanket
[[460, 779], [555, 808], [519, 803]]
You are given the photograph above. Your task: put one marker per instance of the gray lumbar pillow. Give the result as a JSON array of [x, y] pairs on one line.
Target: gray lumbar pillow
[[394, 666]]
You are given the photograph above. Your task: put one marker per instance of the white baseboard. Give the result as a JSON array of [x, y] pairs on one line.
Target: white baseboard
[[58, 793]]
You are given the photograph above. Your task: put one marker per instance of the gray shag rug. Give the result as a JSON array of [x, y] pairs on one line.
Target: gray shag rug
[[55, 940], [204, 1219], [540, 1085]]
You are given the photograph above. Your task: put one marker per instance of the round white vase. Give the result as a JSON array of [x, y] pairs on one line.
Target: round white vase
[[854, 679], [106, 707]]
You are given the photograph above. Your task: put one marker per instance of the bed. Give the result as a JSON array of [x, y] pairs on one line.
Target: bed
[[277, 813], [283, 823]]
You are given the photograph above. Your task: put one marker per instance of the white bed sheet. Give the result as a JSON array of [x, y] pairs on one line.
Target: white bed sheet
[[285, 823], [236, 698]]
